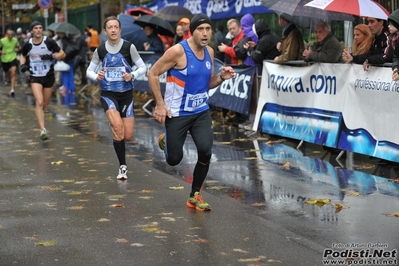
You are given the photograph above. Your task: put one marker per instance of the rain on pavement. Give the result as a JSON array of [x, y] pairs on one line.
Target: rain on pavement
[[270, 175]]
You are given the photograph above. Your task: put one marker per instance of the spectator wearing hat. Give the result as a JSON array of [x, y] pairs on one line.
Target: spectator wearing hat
[[291, 45], [185, 22]]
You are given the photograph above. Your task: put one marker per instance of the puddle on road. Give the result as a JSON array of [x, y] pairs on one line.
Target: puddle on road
[[248, 168]]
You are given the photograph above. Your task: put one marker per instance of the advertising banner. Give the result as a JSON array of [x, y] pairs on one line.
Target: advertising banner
[[336, 105]]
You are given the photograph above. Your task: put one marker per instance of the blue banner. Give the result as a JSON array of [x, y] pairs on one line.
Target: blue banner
[[215, 9], [233, 94]]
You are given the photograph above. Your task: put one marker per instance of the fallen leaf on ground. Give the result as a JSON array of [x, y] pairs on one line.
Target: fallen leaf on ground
[[252, 259], [239, 250], [45, 243], [393, 214], [137, 245], [118, 205], [354, 194], [201, 240], [258, 204], [339, 207], [146, 191], [57, 162], [145, 197], [103, 220], [121, 240], [76, 208], [51, 188], [176, 188], [318, 202]]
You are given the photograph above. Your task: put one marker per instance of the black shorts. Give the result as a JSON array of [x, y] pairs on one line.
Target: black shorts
[[8, 65], [46, 81], [119, 101]]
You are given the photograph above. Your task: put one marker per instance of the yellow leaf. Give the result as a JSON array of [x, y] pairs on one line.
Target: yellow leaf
[[103, 220], [146, 191], [393, 214], [75, 193], [45, 243], [75, 208], [121, 240], [225, 142], [258, 204], [57, 162], [318, 201], [51, 188], [151, 229], [177, 188], [354, 194]]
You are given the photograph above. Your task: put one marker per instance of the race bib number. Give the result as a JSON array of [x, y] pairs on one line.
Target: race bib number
[[195, 101], [114, 73], [39, 68]]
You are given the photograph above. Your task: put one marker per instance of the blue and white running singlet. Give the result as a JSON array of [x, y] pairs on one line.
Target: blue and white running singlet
[[186, 90], [114, 66]]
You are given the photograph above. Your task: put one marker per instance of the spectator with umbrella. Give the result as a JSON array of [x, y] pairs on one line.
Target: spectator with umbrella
[[153, 42]]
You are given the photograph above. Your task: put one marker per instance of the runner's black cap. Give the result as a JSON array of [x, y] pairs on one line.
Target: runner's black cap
[[198, 20], [34, 24]]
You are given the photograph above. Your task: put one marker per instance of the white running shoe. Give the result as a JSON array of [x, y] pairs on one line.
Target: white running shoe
[[122, 172], [43, 134]]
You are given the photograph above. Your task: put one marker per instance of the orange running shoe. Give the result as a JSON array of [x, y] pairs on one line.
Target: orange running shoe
[[161, 141], [198, 203]]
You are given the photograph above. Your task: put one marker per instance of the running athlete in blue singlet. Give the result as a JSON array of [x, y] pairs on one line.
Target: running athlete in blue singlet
[[189, 66], [116, 57]]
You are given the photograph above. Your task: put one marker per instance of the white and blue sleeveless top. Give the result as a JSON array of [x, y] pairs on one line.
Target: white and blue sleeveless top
[[186, 91], [39, 67]]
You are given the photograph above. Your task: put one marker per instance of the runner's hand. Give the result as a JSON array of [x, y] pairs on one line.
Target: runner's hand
[[46, 57], [24, 68]]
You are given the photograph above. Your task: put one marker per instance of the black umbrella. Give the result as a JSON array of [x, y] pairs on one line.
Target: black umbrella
[[64, 27], [173, 13], [160, 25]]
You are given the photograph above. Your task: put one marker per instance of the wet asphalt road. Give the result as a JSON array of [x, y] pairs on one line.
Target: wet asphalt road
[[258, 188]]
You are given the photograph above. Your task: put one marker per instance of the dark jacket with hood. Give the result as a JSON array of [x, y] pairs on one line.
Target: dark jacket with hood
[[247, 21], [267, 42], [394, 18]]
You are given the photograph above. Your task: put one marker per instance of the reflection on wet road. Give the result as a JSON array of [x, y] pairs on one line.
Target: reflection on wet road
[[273, 177]]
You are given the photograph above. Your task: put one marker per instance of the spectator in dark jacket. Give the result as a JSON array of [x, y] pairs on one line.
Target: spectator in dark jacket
[[241, 49], [154, 43], [326, 49], [381, 51], [266, 48]]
